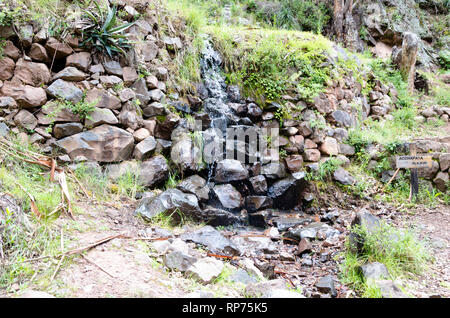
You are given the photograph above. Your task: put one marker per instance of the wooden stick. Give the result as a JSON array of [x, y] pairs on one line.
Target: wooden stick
[[393, 177], [94, 263]]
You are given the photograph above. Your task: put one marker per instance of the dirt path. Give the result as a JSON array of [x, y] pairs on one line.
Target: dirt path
[[432, 226]]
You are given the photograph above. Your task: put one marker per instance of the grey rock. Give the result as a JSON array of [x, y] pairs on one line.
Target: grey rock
[[168, 202], [145, 148], [326, 285], [341, 175], [212, 239], [195, 185], [230, 170], [69, 129], [228, 196], [205, 270], [375, 271], [153, 171], [178, 260], [65, 90]]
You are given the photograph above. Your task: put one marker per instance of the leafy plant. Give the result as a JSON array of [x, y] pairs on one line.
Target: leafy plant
[[103, 33]]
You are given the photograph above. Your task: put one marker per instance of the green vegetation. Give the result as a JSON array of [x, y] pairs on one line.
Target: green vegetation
[[325, 170], [444, 59], [398, 250], [102, 31]]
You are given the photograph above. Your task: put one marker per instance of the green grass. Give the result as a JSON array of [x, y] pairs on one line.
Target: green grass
[[399, 250], [325, 170]]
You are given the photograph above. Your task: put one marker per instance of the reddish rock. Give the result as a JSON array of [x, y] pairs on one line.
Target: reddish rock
[[104, 144], [25, 96], [38, 53], [294, 163], [312, 155], [151, 81], [104, 99], [330, 147], [297, 141], [309, 144], [325, 104], [81, 60], [303, 246], [6, 68], [444, 161], [57, 49], [31, 73], [11, 51], [25, 119], [129, 75], [71, 74]]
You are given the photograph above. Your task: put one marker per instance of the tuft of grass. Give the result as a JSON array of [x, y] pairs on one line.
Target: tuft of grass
[[325, 170], [399, 250]]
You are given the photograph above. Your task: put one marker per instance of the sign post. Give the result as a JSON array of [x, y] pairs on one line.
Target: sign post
[[414, 162]]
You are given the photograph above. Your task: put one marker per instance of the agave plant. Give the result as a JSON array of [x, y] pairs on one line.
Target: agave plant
[[100, 30]]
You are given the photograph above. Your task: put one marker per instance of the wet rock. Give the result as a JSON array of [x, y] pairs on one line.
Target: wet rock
[[284, 223], [228, 196], [69, 129], [259, 219], [145, 148], [230, 170], [254, 245], [65, 90], [375, 271], [195, 185], [186, 154], [303, 247], [326, 285], [178, 260], [26, 96], [285, 193], [212, 239], [259, 184], [104, 144], [154, 171], [218, 217], [341, 175], [255, 203], [205, 270], [274, 170], [168, 202]]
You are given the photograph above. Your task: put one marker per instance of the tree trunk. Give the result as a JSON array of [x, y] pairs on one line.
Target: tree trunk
[[338, 20], [410, 46]]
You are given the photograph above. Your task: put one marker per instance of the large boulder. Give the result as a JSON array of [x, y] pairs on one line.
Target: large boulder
[[31, 73], [81, 60], [195, 185], [26, 96], [145, 148], [104, 144]]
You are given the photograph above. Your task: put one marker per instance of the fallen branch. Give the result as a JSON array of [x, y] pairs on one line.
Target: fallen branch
[[94, 263], [389, 182]]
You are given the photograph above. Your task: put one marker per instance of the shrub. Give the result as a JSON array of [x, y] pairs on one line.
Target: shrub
[[103, 33], [444, 59]]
